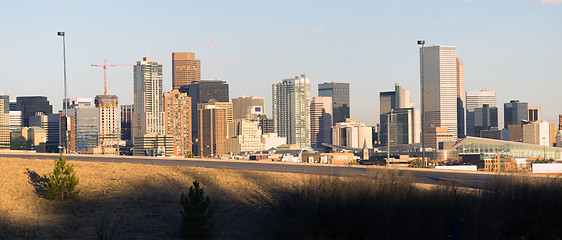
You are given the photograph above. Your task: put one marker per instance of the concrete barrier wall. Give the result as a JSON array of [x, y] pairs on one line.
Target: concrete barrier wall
[[547, 168]]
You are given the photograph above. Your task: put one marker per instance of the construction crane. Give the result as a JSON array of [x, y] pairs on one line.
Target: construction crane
[[105, 65]]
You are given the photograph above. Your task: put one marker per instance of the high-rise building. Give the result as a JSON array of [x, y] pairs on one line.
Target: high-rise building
[[126, 121], [4, 121], [320, 121], [352, 134], [514, 112], [109, 134], [339, 92], [247, 107], [149, 113], [534, 113], [405, 120], [291, 110], [30, 105], [202, 92], [461, 133], [477, 99], [440, 85], [213, 130], [560, 123], [177, 110], [13, 105], [86, 128], [485, 118], [185, 69]]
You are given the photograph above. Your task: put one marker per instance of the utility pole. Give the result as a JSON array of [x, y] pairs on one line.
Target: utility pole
[[422, 43], [66, 147]]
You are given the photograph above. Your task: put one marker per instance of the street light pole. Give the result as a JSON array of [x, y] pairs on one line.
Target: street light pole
[[422, 43], [66, 147]]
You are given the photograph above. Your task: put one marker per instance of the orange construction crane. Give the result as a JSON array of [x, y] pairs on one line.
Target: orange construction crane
[[105, 65]]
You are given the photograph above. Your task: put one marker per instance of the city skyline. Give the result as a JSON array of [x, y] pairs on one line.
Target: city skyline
[[525, 51]]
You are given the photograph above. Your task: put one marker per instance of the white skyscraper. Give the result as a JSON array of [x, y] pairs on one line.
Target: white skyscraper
[[477, 99], [440, 83], [291, 110], [148, 115]]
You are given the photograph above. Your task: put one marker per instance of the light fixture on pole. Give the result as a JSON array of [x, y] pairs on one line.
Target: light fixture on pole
[[422, 43], [65, 102]]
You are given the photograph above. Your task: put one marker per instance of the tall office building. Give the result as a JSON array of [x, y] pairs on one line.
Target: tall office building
[[485, 118], [13, 105], [405, 120], [213, 129], [440, 82], [460, 99], [339, 92], [202, 92], [247, 107], [477, 99], [534, 113], [515, 112], [536, 133], [291, 110], [267, 125], [320, 121], [86, 128], [4, 121], [177, 110], [109, 134], [30, 105], [185, 69], [560, 123], [126, 121], [149, 114]]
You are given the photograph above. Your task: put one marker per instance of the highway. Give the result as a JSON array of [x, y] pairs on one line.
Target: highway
[[422, 176]]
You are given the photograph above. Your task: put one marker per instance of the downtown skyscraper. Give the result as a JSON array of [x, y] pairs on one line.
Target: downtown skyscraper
[[185, 69], [148, 116], [440, 82], [291, 110], [477, 99], [339, 92]]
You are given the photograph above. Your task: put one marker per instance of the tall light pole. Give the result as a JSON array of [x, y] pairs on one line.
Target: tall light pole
[[422, 43], [65, 102]]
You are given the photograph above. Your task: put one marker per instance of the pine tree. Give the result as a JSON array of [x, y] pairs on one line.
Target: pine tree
[[196, 213], [62, 181]]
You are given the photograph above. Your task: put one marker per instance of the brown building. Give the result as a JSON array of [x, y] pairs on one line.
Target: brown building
[[560, 122], [213, 128], [436, 135], [515, 132], [185, 69], [177, 121]]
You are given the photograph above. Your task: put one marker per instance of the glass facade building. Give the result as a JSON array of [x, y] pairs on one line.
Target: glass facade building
[[86, 127], [339, 92], [475, 145]]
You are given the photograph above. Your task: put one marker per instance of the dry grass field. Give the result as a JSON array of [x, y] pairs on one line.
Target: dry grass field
[[133, 201]]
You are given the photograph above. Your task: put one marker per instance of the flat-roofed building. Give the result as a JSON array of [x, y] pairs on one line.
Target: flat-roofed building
[[177, 112]]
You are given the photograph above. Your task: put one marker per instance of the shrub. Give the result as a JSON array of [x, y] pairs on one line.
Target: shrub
[[62, 181], [196, 213]]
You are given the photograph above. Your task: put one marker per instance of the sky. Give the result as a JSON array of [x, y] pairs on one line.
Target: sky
[[511, 47]]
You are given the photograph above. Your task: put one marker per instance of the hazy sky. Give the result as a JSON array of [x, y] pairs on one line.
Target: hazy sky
[[511, 47]]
